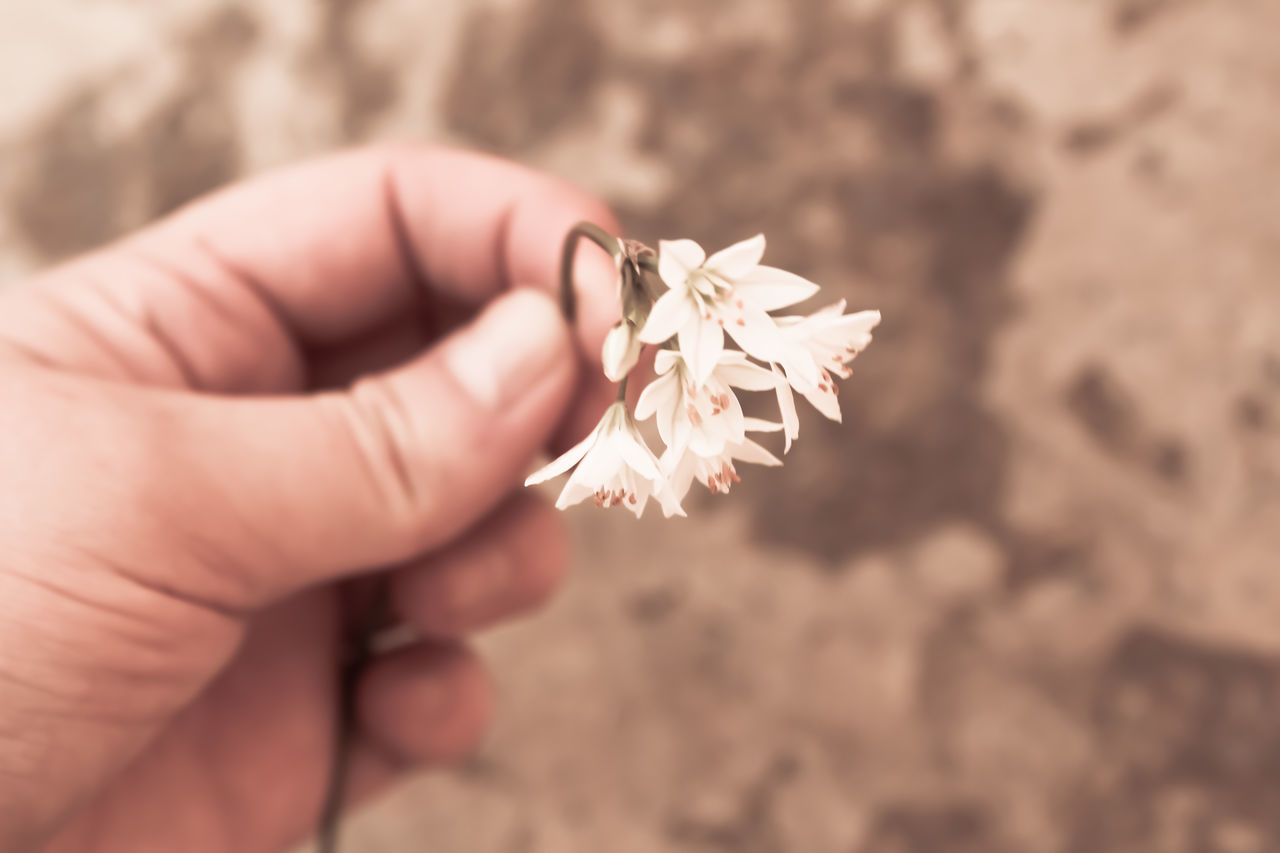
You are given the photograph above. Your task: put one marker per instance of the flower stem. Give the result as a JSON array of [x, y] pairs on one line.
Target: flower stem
[[622, 389], [597, 235], [357, 658]]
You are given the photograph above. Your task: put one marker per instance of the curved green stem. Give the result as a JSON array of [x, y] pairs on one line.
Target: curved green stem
[[597, 235]]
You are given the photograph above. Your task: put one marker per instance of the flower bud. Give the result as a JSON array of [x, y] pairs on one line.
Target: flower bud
[[621, 350]]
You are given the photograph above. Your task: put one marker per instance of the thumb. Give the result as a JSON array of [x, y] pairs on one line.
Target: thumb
[[298, 490]]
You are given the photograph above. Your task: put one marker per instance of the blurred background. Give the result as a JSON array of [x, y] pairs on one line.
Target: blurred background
[[1026, 598]]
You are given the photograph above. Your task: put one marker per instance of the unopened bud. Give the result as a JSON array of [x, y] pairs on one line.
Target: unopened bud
[[621, 350]]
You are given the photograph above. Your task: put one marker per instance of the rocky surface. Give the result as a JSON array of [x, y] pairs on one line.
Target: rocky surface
[[1027, 596]]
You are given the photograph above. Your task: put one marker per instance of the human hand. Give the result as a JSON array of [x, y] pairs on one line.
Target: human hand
[[187, 501]]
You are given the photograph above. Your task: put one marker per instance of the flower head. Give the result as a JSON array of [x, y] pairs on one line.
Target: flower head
[[693, 398], [820, 345], [613, 465], [702, 417], [729, 291]]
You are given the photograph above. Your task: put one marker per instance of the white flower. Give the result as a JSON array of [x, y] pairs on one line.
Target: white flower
[[819, 345], [621, 350], [702, 417], [727, 292], [614, 465], [716, 472]]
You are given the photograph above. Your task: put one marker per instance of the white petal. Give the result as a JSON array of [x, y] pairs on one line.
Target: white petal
[[679, 468], [802, 371], [745, 375], [672, 310], [787, 408], [701, 342], [676, 259], [660, 395], [736, 260], [825, 402], [669, 502], [664, 360], [681, 431], [735, 422], [760, 425], [749, 451], [707, 443], [769, 288], [641, 493], [573, 493], [855, 329], [757, 335], [565, 461], [600, 465], [638, 457]]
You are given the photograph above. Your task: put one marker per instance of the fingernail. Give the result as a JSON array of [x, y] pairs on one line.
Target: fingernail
[[518, 339]]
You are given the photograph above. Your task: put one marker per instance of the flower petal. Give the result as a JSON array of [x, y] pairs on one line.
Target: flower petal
[[701, 342], [630, 447], [676, 259], [854, 330], [736, 260], [669, 502], [749, 451], [641, 493], [600, 465], [706, 442], [664, 360], [672, 311], [743, 374], [735, 421], [769, 288], [565, 461], [660, 395], [802, 371], [757, 334], [573, 493], [760, 425], [824, 401], [787, 408]]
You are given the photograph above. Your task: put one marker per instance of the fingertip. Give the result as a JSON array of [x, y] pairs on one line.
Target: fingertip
[[427, 703]]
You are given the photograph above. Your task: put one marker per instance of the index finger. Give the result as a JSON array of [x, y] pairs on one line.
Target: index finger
[[341, 244], [321, 253]]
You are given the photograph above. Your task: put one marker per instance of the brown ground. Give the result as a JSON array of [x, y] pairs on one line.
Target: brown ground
[[1026, 598]]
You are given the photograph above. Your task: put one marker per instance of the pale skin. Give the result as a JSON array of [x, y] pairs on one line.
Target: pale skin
[[211, 429]]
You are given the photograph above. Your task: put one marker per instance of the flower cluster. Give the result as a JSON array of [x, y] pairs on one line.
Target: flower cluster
[[695, 302]]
